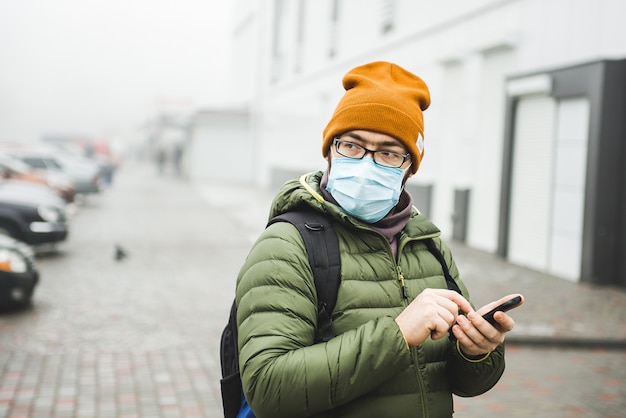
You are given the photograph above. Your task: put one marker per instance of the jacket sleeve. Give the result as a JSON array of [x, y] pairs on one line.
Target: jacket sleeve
[[474, 378], [284, 374], [470, 378]]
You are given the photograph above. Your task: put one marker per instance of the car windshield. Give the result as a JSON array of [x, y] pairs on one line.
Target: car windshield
[[14, 165]]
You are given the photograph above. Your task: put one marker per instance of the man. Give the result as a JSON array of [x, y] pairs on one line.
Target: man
[[392, 356]]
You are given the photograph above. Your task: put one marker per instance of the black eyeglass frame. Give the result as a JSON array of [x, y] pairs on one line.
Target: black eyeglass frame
[[337, 141]]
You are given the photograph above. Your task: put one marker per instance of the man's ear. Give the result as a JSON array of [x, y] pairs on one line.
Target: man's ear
[[329, 156]]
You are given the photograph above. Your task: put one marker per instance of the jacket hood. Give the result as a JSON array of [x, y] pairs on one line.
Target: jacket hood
[[298, 192]]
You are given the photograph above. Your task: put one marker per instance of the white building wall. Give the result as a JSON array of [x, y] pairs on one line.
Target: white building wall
[[558, 33], [487, 165], [463, 49], [210, 134], [244, 80]]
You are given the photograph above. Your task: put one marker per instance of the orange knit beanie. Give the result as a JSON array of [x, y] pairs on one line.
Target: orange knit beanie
[[385, 98]]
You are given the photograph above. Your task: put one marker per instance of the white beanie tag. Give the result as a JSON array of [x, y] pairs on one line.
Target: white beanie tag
[[420, 143]]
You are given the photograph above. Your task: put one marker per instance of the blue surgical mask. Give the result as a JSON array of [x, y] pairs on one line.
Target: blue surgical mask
[[364, 189]]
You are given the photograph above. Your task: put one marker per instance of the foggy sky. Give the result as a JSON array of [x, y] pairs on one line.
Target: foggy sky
[[102, 67]]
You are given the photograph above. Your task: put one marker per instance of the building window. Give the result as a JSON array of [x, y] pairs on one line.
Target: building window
[[334, 28], [387, 15], [300, 36], [276, 44]]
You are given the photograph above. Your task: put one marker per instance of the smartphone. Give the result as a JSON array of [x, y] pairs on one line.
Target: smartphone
[[505, 306]]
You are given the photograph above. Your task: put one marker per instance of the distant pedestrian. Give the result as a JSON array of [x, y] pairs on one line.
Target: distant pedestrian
[[161, 159], [177, 159]]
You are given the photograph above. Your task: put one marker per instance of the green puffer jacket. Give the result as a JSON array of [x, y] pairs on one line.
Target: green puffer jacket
[[367, 370]]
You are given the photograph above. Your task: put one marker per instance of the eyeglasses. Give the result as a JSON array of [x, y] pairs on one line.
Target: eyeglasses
[[381, 157]]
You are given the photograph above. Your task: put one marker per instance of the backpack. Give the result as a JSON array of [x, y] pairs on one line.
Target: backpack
[[323, 253]]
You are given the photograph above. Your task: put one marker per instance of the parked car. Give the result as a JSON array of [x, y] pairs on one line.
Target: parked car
[[15, 169], [32, 214], [84, 174], [18, 273], [93, 150]]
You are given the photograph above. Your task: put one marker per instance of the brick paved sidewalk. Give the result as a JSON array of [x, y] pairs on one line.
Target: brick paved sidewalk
[[162, 383]]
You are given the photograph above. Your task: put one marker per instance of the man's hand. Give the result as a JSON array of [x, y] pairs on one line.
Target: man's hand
[[432, 313], [476, 336]]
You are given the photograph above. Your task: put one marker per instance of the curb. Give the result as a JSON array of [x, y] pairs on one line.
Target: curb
[[566, 342]]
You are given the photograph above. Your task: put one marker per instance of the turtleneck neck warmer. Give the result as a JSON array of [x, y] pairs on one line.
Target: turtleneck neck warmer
[[392, 223]]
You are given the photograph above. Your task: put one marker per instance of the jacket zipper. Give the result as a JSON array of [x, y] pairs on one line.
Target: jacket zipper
[[420, 382], [405, 296], [403, 289]]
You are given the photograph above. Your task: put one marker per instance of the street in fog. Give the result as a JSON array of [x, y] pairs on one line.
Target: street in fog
[[138, 337]]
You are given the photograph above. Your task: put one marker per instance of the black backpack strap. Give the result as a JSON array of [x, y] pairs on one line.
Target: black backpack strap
[[230, 383], [432, 247], [323, 252]]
